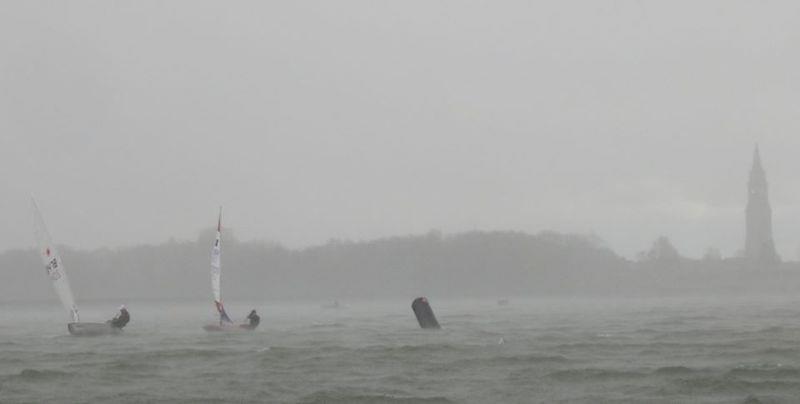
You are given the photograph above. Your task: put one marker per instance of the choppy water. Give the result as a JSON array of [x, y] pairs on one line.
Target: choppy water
[[559, 350]]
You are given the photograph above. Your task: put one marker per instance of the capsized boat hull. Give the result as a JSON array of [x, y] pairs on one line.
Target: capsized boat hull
[[92, 329], [424, 312], [228, 328]]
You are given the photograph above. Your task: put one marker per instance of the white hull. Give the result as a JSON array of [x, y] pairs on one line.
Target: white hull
[[227, 328]]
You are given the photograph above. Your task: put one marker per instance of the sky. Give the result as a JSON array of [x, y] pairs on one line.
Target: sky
[[131, 122]]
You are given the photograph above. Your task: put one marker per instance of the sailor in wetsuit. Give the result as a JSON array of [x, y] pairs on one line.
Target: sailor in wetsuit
[[121, 319], [254, 319]]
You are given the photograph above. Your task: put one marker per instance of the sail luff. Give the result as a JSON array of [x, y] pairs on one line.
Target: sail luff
[[53, 264]]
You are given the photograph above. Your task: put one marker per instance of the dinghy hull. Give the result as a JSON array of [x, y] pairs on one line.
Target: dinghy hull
[[228, 328], [92, 329]]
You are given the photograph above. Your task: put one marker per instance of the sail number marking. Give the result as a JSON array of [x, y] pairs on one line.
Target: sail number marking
[[52, 269]]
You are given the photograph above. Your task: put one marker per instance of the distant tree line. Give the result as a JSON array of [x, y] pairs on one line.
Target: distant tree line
[[473, 264]]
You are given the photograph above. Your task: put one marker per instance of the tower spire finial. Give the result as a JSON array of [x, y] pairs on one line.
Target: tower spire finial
[[757, 158]]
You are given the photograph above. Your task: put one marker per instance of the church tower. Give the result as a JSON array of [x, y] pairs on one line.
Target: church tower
[[758, 245]]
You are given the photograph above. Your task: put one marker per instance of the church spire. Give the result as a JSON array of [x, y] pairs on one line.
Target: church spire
[[759, 246], [757, 160], [758, 178]]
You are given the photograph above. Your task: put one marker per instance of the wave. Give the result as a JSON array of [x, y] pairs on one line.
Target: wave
[[777, 351], [751, 399], [589, 375], [418, 349], [550, 337], [7, 361], [36, 375], [181, 353], [128, 365], [528, 359], [674, 370], [777, 372], [387, 349], [332, 397], [335, 324], [602, 344], [506, 360], [279, 352], [729, 385]]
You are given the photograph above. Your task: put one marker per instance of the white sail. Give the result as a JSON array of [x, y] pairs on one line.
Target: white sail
[[215, 263], [216, 281], [53, 265]]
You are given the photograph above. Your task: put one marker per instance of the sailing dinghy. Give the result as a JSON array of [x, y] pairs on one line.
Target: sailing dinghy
[[55, 271], [225, 322]]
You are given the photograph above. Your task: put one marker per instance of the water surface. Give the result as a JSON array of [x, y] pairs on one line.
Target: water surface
[[536, 350]]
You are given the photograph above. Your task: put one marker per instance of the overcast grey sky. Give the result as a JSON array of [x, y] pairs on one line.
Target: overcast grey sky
[[132, 121]]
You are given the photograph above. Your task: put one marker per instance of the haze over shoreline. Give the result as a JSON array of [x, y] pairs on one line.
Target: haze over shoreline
[[473, 264]]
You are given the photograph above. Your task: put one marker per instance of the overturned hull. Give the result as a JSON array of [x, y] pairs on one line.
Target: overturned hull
[[92, 329], [228, 328], [424, 312]]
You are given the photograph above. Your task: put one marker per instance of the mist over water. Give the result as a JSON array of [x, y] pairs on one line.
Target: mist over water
[[629, 167], [532, 350]]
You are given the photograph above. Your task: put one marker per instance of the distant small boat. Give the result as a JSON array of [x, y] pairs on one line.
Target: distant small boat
[[502, 302], [225, 322], [332, 305], [55, 271]]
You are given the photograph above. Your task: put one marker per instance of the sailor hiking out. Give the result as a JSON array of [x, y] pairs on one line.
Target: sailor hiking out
[[121, 319]]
